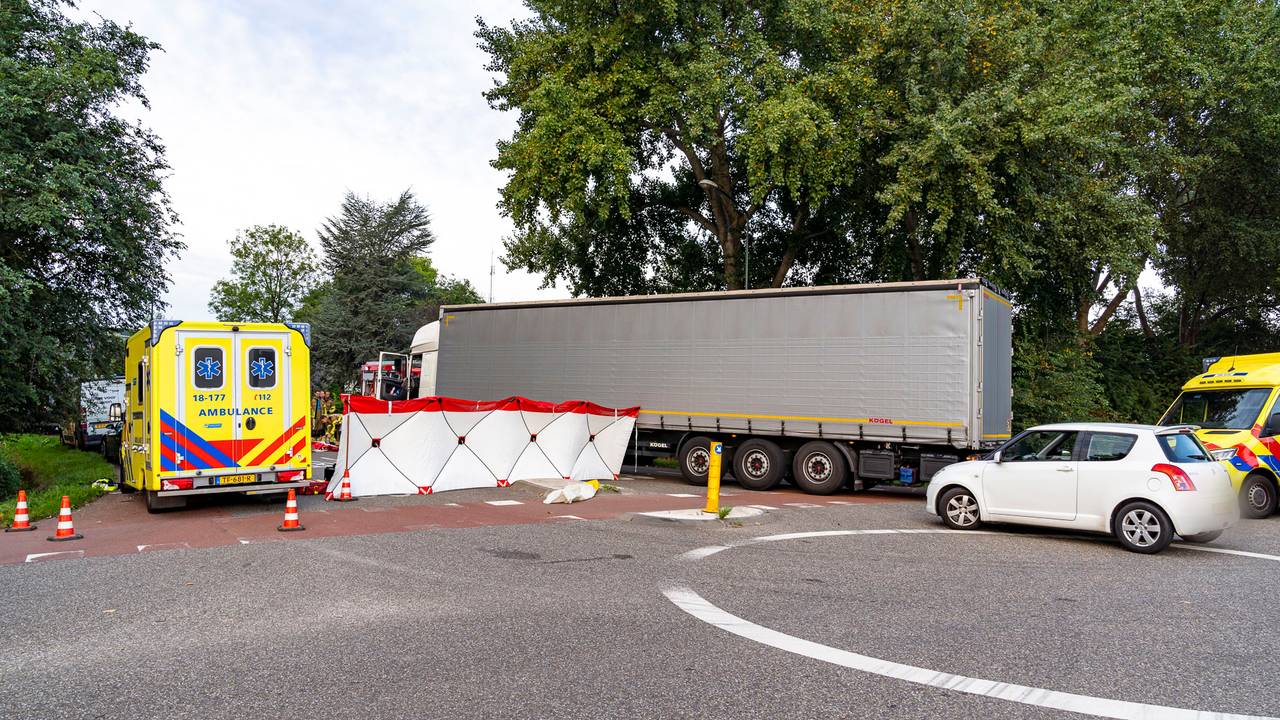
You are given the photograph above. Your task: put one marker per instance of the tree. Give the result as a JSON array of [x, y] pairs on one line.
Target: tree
[[877, 140], [85, 223], [700, 108], [273, 269], [374, 287]]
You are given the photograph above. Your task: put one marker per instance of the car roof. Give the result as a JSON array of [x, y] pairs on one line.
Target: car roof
[[1099, 427]]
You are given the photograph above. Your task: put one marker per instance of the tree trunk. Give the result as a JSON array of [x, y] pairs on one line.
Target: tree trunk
[[915, 255], [1142, 312]]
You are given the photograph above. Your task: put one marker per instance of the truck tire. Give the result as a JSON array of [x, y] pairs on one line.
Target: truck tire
[[695, 460], [1257, 496], [819, 468], [758, 464]]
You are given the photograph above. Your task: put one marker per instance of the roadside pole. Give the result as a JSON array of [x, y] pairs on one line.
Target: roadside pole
[[713, 478]]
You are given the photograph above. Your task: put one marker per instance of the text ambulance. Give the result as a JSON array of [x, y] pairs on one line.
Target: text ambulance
[[215, 407], [1236, 404]]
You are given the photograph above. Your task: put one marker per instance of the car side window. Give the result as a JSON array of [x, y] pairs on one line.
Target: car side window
[[1041, 446], [1105, 447]]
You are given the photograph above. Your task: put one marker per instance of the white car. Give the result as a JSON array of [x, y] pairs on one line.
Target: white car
[[1141, 483]]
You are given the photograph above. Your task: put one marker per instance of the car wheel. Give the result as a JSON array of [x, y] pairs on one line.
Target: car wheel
[[758, 465], [1142, 528], [1203, 537], [1257, 496], [150, 498], [819, 468], [959, 509], [695, 460]]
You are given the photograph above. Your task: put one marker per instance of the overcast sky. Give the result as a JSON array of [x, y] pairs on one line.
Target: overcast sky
[[271, 111]]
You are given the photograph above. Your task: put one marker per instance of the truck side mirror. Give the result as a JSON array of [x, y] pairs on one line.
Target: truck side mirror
[[1273, 425], [115, 412]]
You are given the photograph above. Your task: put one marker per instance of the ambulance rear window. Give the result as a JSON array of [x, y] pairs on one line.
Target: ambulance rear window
[[207, 367], [262, 368]]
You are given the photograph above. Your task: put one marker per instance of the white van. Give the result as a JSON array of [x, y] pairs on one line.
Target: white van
[[93, 421]]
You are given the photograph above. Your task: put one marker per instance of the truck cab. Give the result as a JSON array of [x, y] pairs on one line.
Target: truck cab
[[1235, 403]]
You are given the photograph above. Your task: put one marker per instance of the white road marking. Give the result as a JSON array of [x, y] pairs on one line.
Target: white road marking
[[1227, 551], [702, 552], [503, 502], [680, 495], [801, 505], [569, 517], [763, 507], [839, 502], [157, 546], [453, 504], [34, 557], [694, 604]]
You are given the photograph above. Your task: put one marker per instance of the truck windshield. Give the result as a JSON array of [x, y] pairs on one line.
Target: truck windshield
[[1217, 409]]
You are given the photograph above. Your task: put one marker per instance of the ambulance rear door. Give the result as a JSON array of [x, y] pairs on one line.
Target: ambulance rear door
[[270, 421], [200, 432]]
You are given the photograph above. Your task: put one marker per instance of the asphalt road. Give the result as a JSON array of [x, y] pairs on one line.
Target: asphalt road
[[569, 620]]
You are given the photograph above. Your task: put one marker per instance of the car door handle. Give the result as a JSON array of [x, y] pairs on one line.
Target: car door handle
[[1065, 468]]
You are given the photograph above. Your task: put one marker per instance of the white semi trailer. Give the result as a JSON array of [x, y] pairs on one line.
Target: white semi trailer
[[829, 386]]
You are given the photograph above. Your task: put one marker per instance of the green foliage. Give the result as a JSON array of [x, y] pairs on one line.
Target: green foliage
[[49, 470], [85, 224], [274, 269], [1058, 149], [376, 289], [1056, 385], [10, 479]]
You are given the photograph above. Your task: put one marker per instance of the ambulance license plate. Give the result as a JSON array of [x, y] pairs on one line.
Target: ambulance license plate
[[237, 479]]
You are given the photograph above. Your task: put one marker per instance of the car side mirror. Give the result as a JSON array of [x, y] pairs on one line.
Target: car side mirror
[[997, 456], [1273, 425], [115, 412]]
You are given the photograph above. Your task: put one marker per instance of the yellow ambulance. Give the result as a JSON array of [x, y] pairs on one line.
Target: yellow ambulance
[[1236, 404], [215, 407]]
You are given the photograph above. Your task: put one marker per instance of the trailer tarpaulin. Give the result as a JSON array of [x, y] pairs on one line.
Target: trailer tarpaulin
[[429, 445]]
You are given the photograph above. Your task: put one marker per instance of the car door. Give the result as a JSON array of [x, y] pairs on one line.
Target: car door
[[1035, 478]]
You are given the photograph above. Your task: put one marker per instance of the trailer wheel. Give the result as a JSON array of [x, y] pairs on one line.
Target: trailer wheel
[[820, 468], [695, 460], [758, 464]]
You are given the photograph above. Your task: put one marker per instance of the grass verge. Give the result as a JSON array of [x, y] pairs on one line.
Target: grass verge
[[50, 470]]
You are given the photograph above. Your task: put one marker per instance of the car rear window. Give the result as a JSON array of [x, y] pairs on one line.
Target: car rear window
[[1183, 447], [1109, 446]]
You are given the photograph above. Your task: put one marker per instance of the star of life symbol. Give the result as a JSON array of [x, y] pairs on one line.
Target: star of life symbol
[[208, 368], [261, 368]]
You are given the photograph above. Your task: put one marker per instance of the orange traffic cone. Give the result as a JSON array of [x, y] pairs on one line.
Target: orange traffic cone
[[344, 490], [66, 531], [291, 523], [21, 521]]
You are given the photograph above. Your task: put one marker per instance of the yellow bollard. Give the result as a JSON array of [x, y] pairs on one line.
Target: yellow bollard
[[713, 478]]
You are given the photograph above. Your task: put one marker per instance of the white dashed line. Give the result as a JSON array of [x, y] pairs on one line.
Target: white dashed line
[[36, 557], [682, 495], [694, 604], [801, 505], [503, 503], [162, 546], [763, 507], [568, 517]]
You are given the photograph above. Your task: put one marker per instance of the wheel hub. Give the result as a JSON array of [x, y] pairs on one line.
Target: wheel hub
[[756, 464], [962, 510], [818, 467], [1141, 528], [699, 461]]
